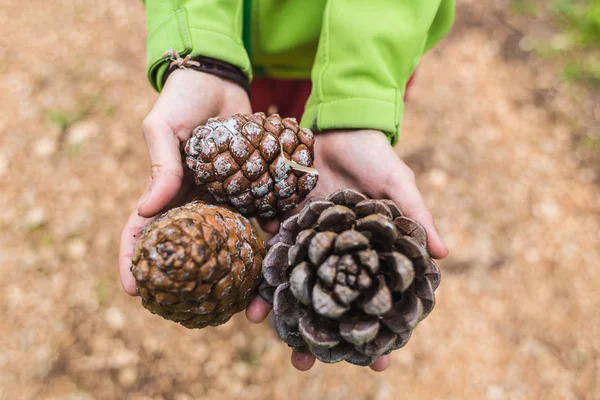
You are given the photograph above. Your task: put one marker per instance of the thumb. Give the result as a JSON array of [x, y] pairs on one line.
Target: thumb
[[404, 192], [167, 170]]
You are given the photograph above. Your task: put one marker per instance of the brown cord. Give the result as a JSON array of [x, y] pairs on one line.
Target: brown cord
[[209, 65]]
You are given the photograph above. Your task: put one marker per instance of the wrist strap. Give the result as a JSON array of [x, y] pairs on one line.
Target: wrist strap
[[214, 67]]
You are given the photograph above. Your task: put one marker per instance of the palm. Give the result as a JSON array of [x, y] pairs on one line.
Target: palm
[[364, 160], [188, 99], [344, 163], [361, 160]]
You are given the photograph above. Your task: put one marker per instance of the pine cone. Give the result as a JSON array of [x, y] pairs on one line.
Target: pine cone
[[198, 264], [349, 278], [241, 161]]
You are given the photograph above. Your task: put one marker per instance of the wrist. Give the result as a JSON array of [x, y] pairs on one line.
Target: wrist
[[341, 136], [196, 83], [210, 66], [334, 143]]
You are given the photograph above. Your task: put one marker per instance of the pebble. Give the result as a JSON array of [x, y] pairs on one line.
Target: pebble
[[128, 376], [547, 210], [437, 177], [77, 248], [44, 147], [200, 352], [82, 131], [43, 358], [122, 358], [35, 217], [241, 370], [152, 345], [115, 318]]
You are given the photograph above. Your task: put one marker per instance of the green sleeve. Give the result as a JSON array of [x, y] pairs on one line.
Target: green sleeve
[[209, 28], [367, 52]]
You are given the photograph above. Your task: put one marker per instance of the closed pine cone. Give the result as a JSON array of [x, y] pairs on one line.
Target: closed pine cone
[[240, 160], [349, 278], [198, 264]]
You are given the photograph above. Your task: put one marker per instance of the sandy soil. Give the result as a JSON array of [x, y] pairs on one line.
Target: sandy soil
[[490, 130]]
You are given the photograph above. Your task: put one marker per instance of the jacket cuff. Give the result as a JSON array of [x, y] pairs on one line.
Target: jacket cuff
[[175, 32], [357, 113]]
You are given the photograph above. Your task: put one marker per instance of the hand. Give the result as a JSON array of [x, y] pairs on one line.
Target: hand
[[188, 99], [365, 161]]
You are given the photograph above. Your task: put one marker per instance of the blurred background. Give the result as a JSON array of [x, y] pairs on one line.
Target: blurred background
[[502, 130]]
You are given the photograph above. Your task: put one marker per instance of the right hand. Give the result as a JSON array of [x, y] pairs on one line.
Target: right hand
[[188, 99]]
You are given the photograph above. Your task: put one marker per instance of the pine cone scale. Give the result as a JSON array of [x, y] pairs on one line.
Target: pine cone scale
[[198, 264], [243, 161], [359, 281]]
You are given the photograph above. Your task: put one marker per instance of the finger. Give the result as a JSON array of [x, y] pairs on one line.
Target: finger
[[436, 245], [129, 236], [302, 361], [269, 225], [381, 363], [257, 310], [404, 192], [167, 171]]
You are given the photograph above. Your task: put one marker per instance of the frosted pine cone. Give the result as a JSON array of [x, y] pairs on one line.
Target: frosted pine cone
[[244, 161], [349, 278], [198, 264]]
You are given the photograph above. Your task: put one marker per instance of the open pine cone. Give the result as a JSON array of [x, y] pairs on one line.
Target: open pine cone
[[242, 162], [349, 278], [198, 264]]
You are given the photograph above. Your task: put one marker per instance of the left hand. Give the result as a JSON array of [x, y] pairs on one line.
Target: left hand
[[188, 99], [365, 161]]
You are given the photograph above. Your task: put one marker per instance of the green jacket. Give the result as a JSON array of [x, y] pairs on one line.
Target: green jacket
[[358, 53]]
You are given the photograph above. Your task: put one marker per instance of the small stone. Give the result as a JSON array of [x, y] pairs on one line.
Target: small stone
[[547, 210], [35, 218], [43, 358], [152, 345], [114, 318], [437, 177], [128, 376], [44, 147], [122, 358], [82, 131], [77, 248]]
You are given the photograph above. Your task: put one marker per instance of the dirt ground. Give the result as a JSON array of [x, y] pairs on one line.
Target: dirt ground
[[490, 130]]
